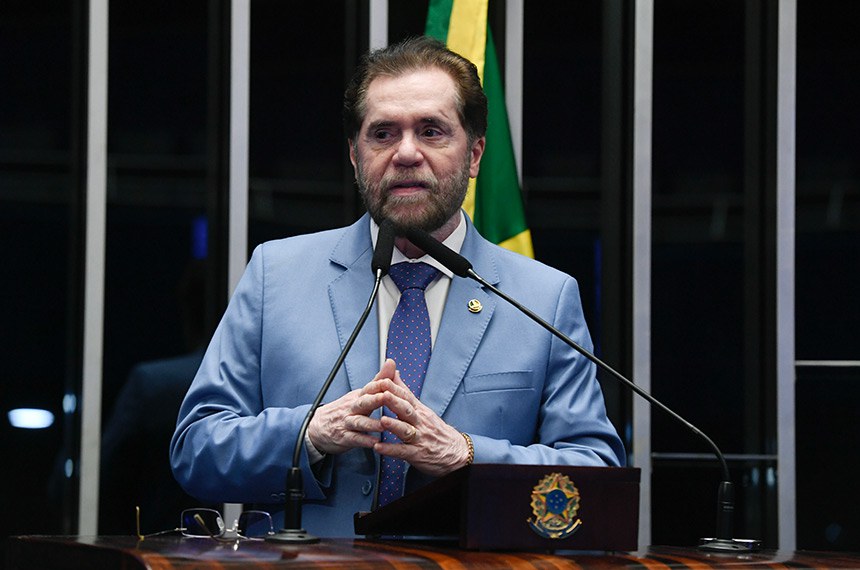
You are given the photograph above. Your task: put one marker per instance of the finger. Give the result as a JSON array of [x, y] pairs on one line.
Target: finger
[[389, 394], [377, 386], [389, 366], [386, 370], [366, 403], [398, 406], [382, 385], [398, 450], [399, 379], [399, 387], [365, 424], [406, 432], [352, 439], [410, 433], [404, 389]]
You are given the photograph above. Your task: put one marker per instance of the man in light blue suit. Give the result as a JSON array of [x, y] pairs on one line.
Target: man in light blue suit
[[498, 388]]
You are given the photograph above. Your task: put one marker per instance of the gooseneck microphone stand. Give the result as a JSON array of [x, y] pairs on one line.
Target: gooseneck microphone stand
[[292, 532], [723, 542]]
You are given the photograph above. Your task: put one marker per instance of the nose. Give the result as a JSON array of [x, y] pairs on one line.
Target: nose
[[408, 152]]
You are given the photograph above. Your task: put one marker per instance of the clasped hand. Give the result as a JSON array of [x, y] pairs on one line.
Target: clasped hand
[[428, 443]]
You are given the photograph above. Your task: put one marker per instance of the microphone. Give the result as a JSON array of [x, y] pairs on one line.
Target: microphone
[[292, 532], [459, 265], [381, 262]]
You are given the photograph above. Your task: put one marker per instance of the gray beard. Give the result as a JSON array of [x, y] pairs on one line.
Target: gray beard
[[440, 206]]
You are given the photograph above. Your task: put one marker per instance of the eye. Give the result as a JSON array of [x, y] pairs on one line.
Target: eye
[[431, 132], [381, 135]]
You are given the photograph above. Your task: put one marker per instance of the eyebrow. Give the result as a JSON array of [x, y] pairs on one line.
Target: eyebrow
[[436, 121], [379, 124], [432, 120]]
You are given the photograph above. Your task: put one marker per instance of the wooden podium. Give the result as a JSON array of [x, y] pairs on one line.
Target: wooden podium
[[518, 507]]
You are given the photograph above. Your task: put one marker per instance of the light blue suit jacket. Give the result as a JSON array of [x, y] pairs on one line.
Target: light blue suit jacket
[[522, 395]]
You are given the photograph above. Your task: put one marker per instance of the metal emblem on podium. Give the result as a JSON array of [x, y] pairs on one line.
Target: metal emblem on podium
[[555, 502]]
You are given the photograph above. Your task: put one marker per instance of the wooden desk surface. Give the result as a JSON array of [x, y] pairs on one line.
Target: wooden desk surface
[[173, 552]]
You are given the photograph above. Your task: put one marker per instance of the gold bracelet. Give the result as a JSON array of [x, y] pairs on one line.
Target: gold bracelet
[[471, 448]]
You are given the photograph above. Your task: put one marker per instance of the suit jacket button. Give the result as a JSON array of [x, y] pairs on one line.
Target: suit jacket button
[[367, 487]]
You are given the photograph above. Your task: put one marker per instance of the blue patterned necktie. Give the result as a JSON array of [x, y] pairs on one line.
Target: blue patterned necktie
[[409, 346]]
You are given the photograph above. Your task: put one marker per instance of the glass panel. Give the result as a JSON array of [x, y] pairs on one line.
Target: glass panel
[[828, 182], [571, 102], [827, 443], [561, 134], [407, 19], [300, 176], [827, 305], [684, 509], [698, 279], [40, 233], [159, 288], [701, 224]]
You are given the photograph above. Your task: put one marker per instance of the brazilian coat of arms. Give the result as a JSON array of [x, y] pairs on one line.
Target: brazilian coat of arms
[[555, 502]]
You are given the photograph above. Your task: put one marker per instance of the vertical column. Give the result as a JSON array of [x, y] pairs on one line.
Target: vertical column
[[769, 259], [378, 24], [641, 292], [515, 10], [240, 74], [785, 230], [237, 215], [94, 273]]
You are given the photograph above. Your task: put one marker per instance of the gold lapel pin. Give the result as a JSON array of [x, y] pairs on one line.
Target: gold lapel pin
[[475, 306]]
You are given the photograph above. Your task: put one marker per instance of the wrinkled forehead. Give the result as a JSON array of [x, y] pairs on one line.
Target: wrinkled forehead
[[424, 92]]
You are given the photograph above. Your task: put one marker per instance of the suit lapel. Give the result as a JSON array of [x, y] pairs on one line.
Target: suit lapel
[[460, 331], [348, 294]]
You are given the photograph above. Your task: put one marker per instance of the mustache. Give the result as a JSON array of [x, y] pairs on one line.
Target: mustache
[[397, 180]]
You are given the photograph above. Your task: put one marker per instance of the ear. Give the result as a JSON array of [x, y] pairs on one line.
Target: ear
[[476, 152], [352, 155]]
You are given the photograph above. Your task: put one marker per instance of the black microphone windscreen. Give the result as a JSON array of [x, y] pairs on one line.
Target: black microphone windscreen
[[384, 247], [458, 264]]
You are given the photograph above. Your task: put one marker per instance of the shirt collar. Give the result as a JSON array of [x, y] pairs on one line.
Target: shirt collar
[[454, 242]]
